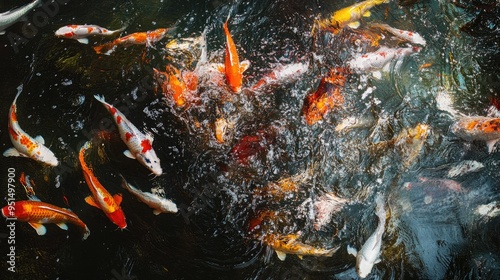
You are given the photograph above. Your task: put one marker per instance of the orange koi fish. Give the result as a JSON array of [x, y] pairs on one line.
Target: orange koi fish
[[478, 128], [37, 213], [138, 38], [175, 84], [289, 244], [81, 32], [327, 97], [100, 197], [232, 67], [25, 145]]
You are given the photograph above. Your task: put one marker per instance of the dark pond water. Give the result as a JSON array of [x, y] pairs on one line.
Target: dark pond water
[[441, 223]]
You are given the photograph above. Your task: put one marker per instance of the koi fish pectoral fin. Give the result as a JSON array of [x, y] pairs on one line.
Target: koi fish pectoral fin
[[90, 201], [40, 229], [490, 144], [156, 212], [281, 255], [352, 251], [377, 260], [62, 226], [129, 154], [40, 139], [12, 152], [244, 65], [354, 24], [118, 198], [83, 40]]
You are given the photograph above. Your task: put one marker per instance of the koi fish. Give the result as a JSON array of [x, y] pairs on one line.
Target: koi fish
[[232, 67], [25, 145], [28, 188], [282, 73], [380, 59], [37, 213], [139, 144], [369, 254], [175, 84], [325, 207], [80, 32], [348, 16], [408, 36], [138, 38], [288, 244], [10, 17], [478, 128], [252, 145], [100, 197], [326, 97], [159, 204]]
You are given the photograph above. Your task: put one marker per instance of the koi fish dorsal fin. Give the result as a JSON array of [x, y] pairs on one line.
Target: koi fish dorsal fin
[[40, 139], [244, 65], [90, 201], [62, 226], [118, 198], [40, 229], [12, 152]]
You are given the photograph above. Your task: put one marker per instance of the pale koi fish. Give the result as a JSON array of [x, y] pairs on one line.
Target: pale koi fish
[[10, 17], [282, 73], [478, 128], [408, 36], [81, 32], [159, 204], [25, 145], [139, 144], [138, 38], [380, 59], [325, 207]]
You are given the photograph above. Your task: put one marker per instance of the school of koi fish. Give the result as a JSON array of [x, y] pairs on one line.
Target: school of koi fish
[[211, 94]]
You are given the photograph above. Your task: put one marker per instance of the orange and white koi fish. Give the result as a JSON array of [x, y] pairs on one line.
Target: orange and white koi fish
[[478, 128], [408, 36], [159, 204], [379, 59], [282, 73], [140, 145], [138, 38], [289, 244], [81, 32], [348, 16], [100, 197], [37, 213], [25, 145], [326, 97], [232, 67], [176, 85]]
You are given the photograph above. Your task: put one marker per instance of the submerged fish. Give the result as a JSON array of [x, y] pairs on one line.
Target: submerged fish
[[465, 167], [369, 254], [138, 38], [326, 97], [289, 244], [80, 32], [10, 17], [140, 145], [37, 213], [25, 145], [478, 128], [379, 59], [159, 204], [348, 16], [176, 85], [325, 207], [408, 36], [282, 73], [100, 197]]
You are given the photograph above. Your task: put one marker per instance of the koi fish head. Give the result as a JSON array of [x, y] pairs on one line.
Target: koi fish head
[[16, 210], [65, 32], [363, 266], [151, 161], [118, 218]]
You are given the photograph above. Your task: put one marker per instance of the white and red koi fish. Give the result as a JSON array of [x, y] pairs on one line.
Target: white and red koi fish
[[282, 73], [139, 144], [408, 36], [100, 197], [81, 32], [138, 38], [37, 213], [232, 67], [380, 59], [25, 145], [159, 204], [478, 128]]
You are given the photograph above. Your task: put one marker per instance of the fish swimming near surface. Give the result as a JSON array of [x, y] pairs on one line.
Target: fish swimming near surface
[[10, 17], [81, 32], [282, 73], [25, 145], [478, 128], [159, 204], [369, 254], [379, 59], [28, 188], [327, 205], [100, 197], [348, 16], [232, 68], [140, 145], [176, 85], [138, 38], [37, 213], [408, 36]]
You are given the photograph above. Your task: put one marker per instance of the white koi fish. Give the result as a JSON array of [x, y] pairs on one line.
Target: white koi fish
[[408, 36], [282, 73], [25, 145], [139, 144], [379, 59], [370, 252], [10, 17], [80, 32], [159, 204]]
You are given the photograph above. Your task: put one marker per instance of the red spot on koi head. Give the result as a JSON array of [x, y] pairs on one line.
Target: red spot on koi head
[[146, 145]]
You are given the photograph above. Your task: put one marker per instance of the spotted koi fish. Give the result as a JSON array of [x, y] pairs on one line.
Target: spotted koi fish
[[408, 36], [25, 145], [80, 32], [139, 144], [37, 213], [100, 197], [478, 128], [138, 38]]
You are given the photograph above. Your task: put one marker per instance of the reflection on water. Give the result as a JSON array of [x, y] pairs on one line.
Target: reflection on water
[[249, 175]]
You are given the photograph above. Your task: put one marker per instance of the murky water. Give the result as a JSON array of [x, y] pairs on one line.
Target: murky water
[[268, 176]]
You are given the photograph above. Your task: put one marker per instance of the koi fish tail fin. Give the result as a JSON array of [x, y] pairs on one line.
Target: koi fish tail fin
[[100, 98], [106, 49]]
